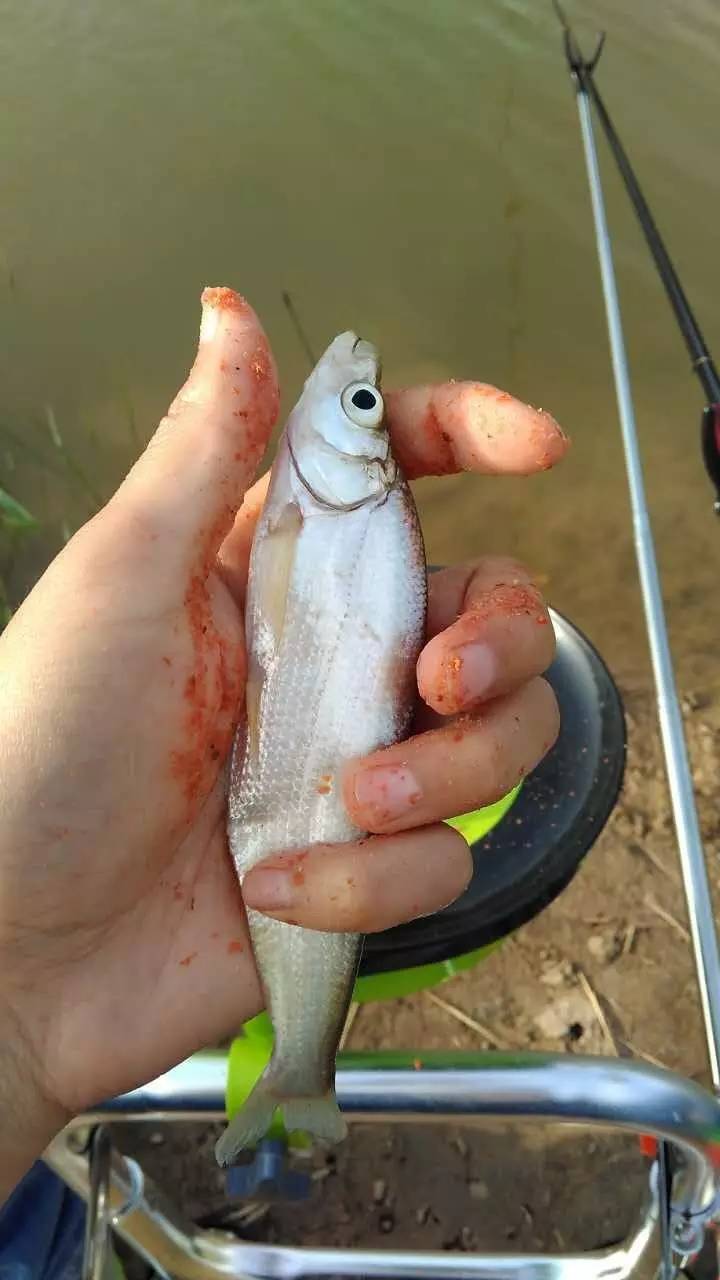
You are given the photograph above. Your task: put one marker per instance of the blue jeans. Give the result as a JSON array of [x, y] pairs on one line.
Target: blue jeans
[[42, 1228]]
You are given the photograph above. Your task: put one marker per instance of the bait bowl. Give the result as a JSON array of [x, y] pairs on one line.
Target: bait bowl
[[526, 848]]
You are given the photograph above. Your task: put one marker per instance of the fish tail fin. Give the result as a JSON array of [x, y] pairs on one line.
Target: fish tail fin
[[248, 1125], [318, 1115], [321, 1117]]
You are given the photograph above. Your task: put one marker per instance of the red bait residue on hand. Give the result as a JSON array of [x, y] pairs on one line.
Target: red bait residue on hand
[[261, 364], [440, 444], [211, 695], [225, 299], [506, 600], [294, 862]]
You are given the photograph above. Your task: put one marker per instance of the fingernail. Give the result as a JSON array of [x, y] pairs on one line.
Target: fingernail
[[475, 666], [209, 322], [269, 890], [386, 792], [214, 302]]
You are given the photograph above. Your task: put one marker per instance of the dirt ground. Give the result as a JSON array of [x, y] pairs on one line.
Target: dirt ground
[[606, 968]]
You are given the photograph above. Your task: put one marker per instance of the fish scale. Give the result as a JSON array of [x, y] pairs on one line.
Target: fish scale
[[335, 618]]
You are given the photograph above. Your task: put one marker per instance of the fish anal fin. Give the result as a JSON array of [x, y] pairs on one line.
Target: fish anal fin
[[253, 690]]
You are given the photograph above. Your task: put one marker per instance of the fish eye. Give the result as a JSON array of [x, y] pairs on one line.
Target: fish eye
[[363, 404]]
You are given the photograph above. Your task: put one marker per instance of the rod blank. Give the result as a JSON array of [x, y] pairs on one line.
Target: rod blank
[[692, 858]]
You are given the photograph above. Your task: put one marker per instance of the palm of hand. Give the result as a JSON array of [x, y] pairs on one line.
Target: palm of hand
[[142, 895]]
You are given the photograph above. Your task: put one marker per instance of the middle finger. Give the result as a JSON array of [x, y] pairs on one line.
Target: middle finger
[[490, 632]]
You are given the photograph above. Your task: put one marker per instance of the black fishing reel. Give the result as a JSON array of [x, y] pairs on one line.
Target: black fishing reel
[[534, 852]]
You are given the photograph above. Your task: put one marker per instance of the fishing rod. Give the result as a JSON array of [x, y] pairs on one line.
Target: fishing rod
[[299, 328], [703, 365], [687, 826]]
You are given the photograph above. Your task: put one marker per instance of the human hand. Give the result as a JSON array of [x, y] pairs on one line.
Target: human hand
[[123, 941]]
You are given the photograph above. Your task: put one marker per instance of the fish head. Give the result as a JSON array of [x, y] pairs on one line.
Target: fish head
[[337, 433]]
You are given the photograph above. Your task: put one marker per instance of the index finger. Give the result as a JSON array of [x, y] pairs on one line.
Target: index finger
[[470, 426]]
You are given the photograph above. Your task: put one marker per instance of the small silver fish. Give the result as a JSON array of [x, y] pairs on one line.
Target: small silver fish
[[335, 619]]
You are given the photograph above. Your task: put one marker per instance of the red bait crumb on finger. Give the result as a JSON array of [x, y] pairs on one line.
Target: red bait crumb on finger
[[260, 363], [188, 959], [506, 600], [211, 696], [224, 298], [287, 862], [235, 946], [441, 455]]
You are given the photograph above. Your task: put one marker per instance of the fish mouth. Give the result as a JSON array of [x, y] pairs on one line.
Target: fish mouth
[[364, 350], [362, 347], [349, 358]]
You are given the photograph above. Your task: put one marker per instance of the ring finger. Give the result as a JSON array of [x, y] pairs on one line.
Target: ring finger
[[465, 764]]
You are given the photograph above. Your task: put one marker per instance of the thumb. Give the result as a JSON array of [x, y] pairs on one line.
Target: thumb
[[188, 484]]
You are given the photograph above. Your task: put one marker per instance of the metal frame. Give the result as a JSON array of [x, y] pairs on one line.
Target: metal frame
[[469, 1087]]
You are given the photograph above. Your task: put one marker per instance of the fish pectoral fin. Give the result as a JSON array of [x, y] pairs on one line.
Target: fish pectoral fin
[[253, 690], [273, 570]]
